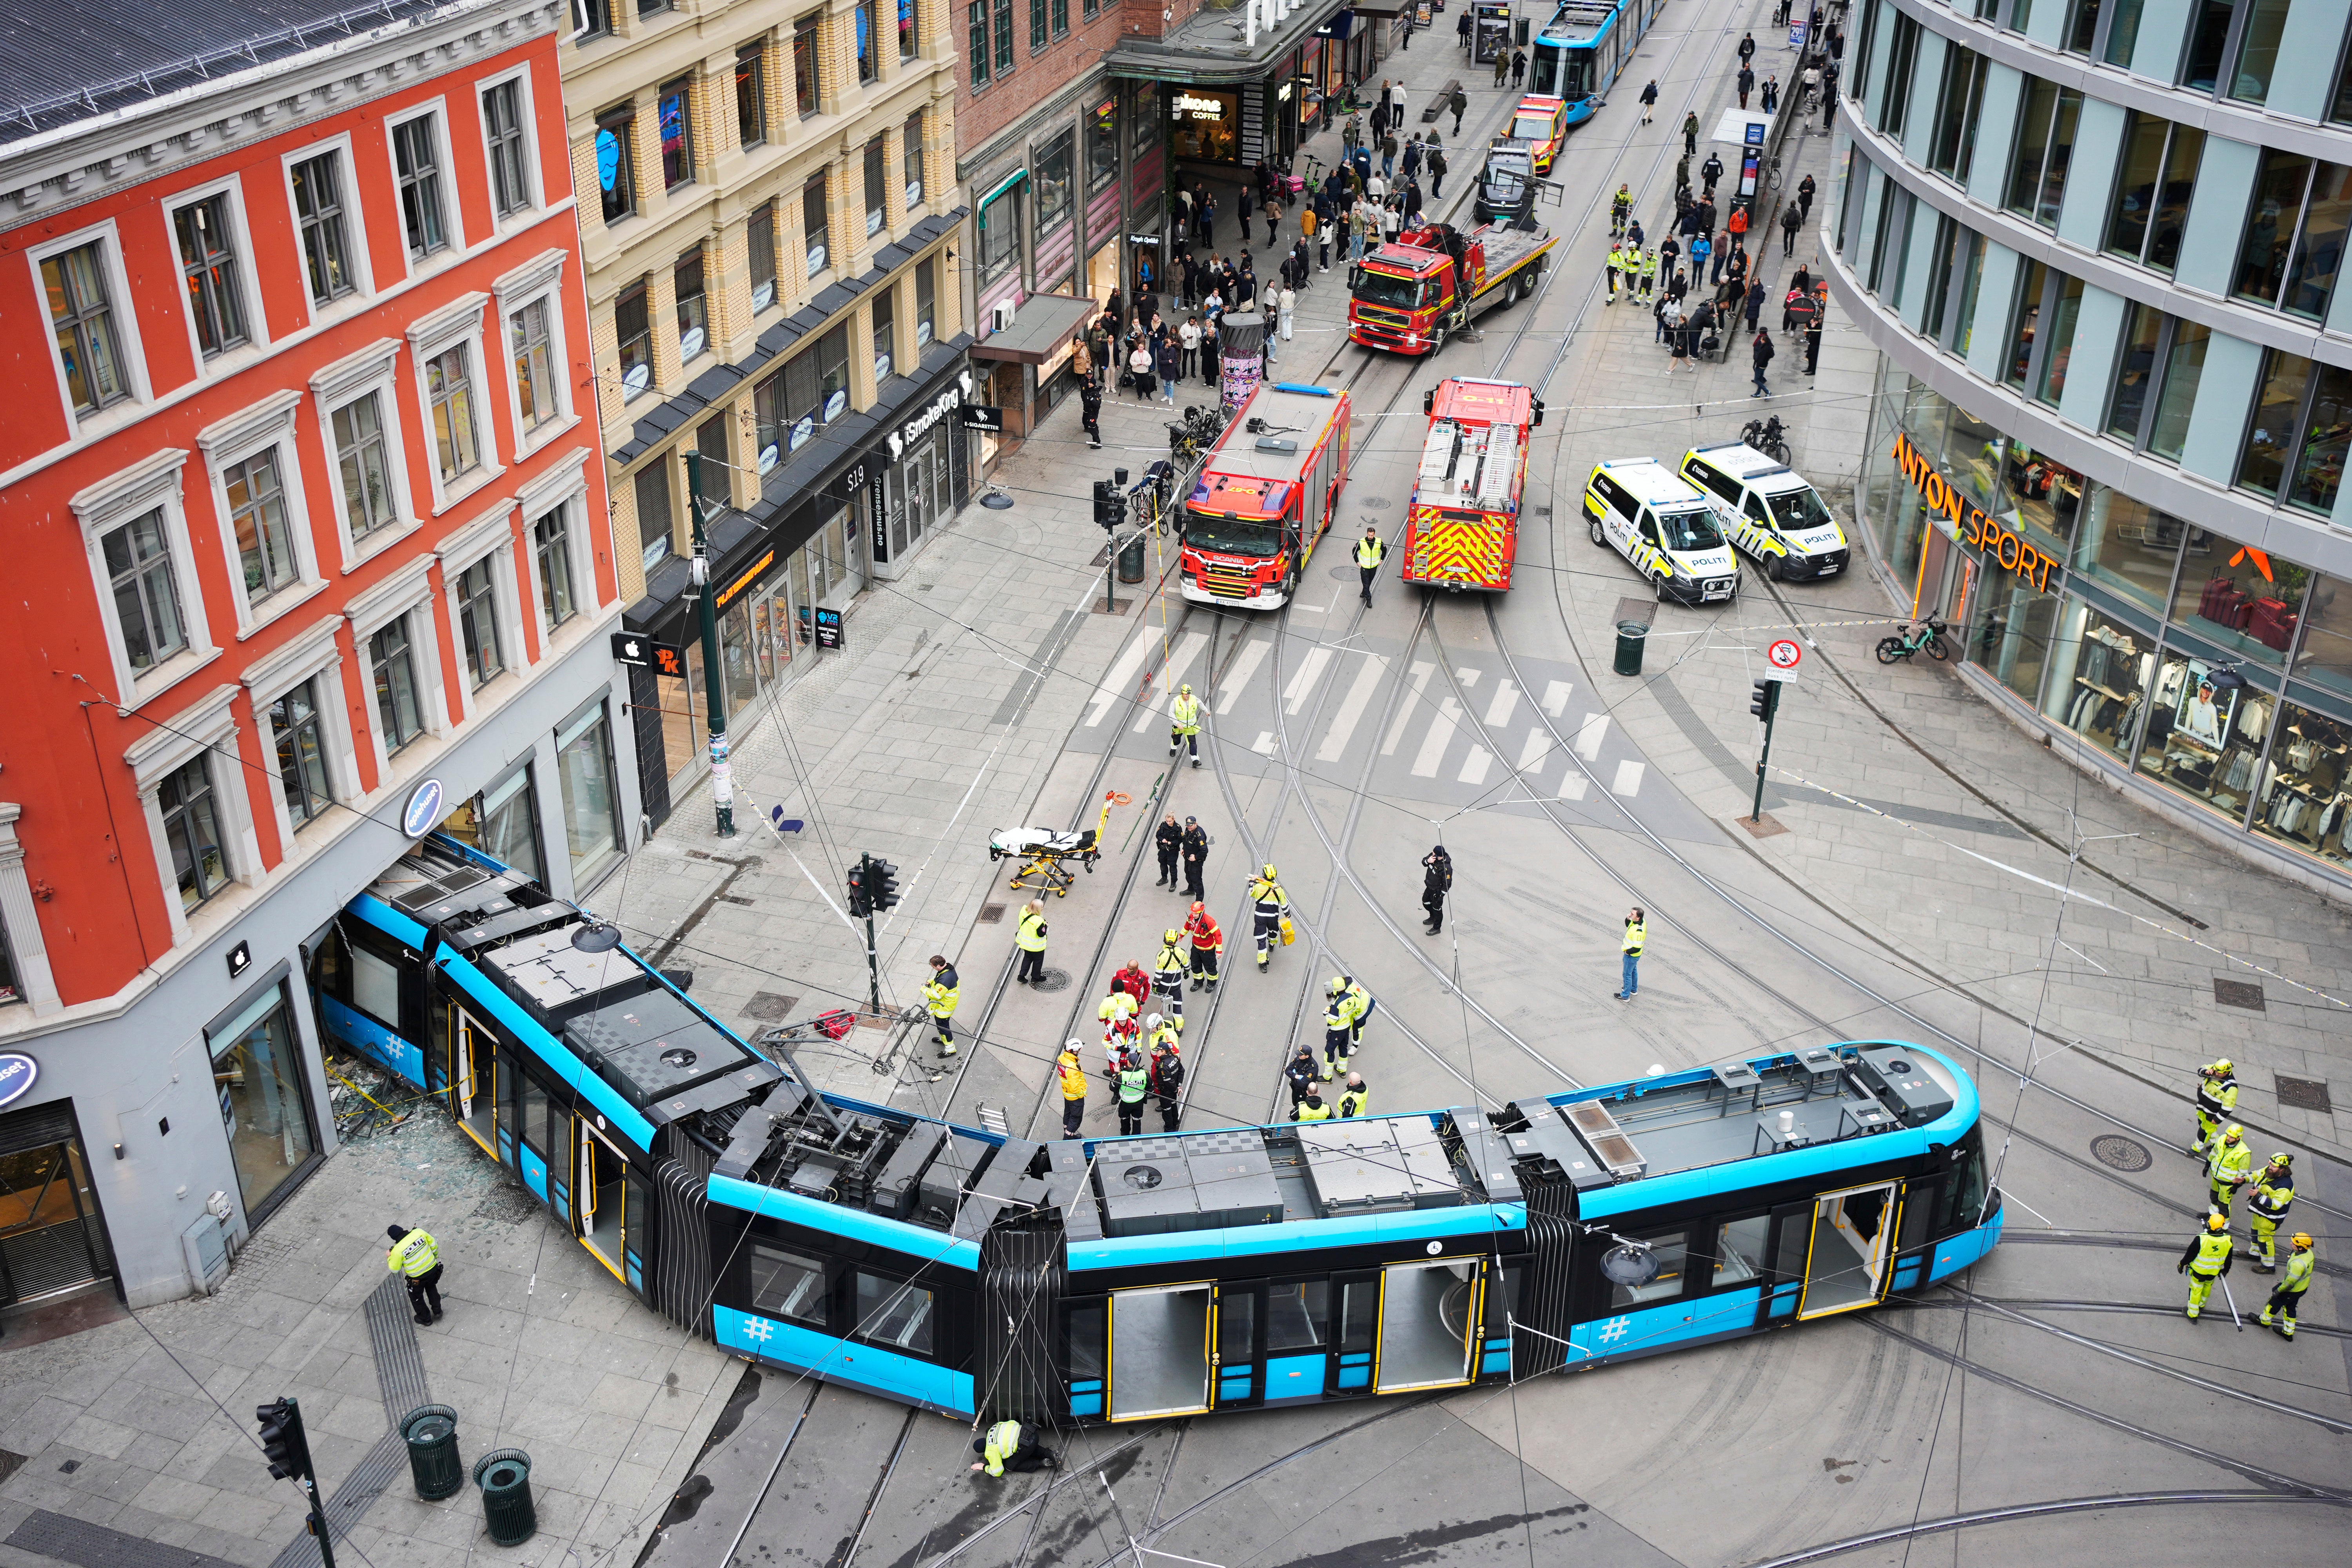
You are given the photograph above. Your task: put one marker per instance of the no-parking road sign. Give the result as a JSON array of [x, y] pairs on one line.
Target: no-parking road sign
[[1783, 655]]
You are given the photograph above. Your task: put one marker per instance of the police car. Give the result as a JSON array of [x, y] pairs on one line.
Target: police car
[[1665, 528], [1765, 510]]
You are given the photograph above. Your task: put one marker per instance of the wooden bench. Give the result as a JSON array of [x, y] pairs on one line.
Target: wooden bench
[[1437, 102]]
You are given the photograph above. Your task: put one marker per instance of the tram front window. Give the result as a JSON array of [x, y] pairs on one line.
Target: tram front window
[[1543, 71], [1576, 74]]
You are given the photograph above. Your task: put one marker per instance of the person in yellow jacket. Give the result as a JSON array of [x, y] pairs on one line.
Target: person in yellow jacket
[[2278, 1312], [1312, 1107], [1612, 267], [1073, 1079], [2266, 1206], [1007, 1447], [939, 1002], [1637, 936], [1354, 1099], [2206, 1259], [1168, 971], [1184, 723], [2228, 1166], [2217, 1101], [1649, 274], [1269, 906], [417, 1260], [1371, 551], [1029, 936]]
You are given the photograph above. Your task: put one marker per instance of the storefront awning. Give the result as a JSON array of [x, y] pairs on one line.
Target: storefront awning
[[1222, 48], [1044, 324], [1380, 7]]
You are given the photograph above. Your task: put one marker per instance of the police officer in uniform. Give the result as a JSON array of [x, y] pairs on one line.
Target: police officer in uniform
[[1184, 723], [1354, 1099], [2217, 1101], [939, 1002], [1268, 905], [2278, 1312], [1008, 1447], [2206, 1259], [1168, 972], [1132, 1083], [2266, 1206], [1167, 1069], [1029, 936], [1370, 553], [1169, 840], [1196, 858], [2228, 1166], [1301, 1074], [1436, 881], [418, 1262]]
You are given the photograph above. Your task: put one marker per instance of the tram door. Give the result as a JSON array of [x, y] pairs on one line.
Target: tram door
[[473, 1079], [1428, 1309], [612, 1200], [1161, 1350], [1853, 1238]]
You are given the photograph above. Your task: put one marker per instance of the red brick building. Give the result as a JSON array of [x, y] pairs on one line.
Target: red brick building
[[309, 552]]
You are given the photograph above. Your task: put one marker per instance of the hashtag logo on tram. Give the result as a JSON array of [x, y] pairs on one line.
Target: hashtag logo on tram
[[1616, 1329], [758, 1331]]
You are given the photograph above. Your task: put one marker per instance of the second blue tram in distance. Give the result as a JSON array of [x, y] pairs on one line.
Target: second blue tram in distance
[[1581, 51], [1124, 1278]]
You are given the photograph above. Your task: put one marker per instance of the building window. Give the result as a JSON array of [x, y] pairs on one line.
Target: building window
[[532, 346], [319, 214], [976, 25], [478, 622], [877, 186], [2296, 234], [2081, 26], [804, 67], [1092, 8], [908, 42], [1946, 267], [813, 389], [1959, 101], [2184, 366], [885, 333], [1902, 55], [1037, 26], [449, 391], [1061, 19], [301, 752], [1102, 146], [365, 464], [715, 485], [2341, 112], [192, 828], [2258, 50], [1004, 37], [257, 510], [1143, 119], [2065, 309], [633, 326], [693, 316], [208, 264], [815, 220], [1052, 178], [1000, 235], [2033, 281], [552, 542], [510, 152], [870, 45], [264, 1101], [759, 241], [2207, 44], [583, 763], [677, 112], [2294, 450], [751, 94], [2160, 173], [2135, 372], [2045, 144], [399, 715], [591, 18], [146, 591], [653, 8], [616, 163], [927, 306], [417, 157], [653, 511], [83, 319], [2123, 31], [914, 160]]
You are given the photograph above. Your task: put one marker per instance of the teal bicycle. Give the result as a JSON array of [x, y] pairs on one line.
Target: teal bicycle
[[1927, 634]]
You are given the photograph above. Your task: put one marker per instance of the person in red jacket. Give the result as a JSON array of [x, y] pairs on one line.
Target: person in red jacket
[[1135, 982], [1208, 942]]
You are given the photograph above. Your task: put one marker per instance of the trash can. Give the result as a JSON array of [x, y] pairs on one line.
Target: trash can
[[431, 1432], [1130, 559], [504, 1476], [1629, 647]]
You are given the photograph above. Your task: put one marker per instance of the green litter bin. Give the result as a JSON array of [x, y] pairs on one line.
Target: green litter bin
[[1130, 559], [504, 1476], [431, 1433], [1629, 647]]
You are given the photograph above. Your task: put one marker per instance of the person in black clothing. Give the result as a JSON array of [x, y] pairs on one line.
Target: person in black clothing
[[1791, 220], [1814, 343], [1755, 301], [1436, 881], [1709, 172], [1805, 199], [1518, 67], [1196, 857], [1828, 97], [1090, 408], [1169, 840], [1649, 94], [1747, 47], [1762, 352], [1746, 82], [1302, 1075]]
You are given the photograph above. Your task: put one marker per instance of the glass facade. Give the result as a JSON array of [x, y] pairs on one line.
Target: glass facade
[[584, 761], [263, 1111]]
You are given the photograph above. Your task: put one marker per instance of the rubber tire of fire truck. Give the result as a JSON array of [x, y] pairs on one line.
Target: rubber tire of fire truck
[[1436, 339]]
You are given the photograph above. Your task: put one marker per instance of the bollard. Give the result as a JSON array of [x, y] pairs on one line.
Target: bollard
[[1629, 648], [431, 1433], [504, 1476]]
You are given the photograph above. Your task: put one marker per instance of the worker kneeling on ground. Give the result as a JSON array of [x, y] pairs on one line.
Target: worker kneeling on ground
[[1009, 1445], [2205, 1260], [1269, 913], [2278, 1312]]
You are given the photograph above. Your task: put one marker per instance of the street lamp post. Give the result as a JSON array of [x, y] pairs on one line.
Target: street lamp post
[[722, 773]]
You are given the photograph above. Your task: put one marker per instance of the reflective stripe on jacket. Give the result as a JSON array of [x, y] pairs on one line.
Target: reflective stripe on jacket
[[1368, 551], [414, 1256], [1004, 1441], [2299, 1265], [2213, 1254], [1030, 937], [1636, 934], [1184, 714], [940, 995]]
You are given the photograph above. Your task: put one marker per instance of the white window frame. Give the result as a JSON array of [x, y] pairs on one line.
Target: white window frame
[[562, 487], [541, 279], [406, 592], [20, 922], [126, 329], [354, 228], [311, 654], [228, 442], [152, 482], [453, 212], [208, 729], [491, 537], [374, 369], [229, 361], [535, 203], [459, 321]]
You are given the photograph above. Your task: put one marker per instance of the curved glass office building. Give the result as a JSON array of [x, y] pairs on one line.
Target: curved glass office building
[[2099, 247]]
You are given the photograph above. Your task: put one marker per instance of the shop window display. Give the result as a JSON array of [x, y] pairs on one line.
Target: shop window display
[[2205, 731], [2100, 669], [1204, 125], [2325, 659], [2045, 496], [2243, 600], [2128, 546], [2307, 783], [2011, 627]]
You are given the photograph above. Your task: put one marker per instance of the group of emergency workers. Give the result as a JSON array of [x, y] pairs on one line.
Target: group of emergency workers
[[2229, 1166]]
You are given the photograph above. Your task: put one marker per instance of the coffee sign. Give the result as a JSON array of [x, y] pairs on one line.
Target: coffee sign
[[1971, 524]]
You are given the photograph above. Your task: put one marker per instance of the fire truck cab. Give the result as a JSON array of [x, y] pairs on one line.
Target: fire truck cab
[[1264, 496]]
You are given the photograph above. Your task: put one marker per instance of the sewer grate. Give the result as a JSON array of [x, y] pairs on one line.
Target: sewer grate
[[769, 1006], [86, 1545], [2118, 1152], [735, 899], [990, 914], [1053, 980], [2243, 994], [2305, 1094], [1374, 503]]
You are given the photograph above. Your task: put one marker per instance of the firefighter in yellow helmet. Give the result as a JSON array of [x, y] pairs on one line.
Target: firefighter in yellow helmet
[[2217, 1101], [2278, 1312], [1269, 906], [2206, 1259]]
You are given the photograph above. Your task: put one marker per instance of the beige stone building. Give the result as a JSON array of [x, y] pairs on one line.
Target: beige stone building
[[768, 212]]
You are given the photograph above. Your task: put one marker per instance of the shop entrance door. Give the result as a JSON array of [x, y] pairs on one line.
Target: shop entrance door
[[51, 1239]]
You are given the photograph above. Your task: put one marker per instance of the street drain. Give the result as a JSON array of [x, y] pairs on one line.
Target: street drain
[[1053, 980], [2118, 1152], [2305, 1094], [2243, 994]]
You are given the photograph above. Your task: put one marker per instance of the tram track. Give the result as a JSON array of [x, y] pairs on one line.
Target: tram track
[[2018, 1511]]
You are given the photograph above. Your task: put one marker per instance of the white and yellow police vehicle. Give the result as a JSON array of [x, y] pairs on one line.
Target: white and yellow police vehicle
[[1768, 510], [1664, 526]]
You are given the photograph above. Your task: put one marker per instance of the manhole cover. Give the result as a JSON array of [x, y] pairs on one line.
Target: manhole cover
[[990, 914], [2243, 994], [2305, 1094], [1053, 980], [1343, 574], [769, 1006], [1375, 503], [2118, 1152]]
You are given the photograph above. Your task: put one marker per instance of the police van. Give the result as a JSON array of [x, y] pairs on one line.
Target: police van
[[1666, 528], [1768, 510]]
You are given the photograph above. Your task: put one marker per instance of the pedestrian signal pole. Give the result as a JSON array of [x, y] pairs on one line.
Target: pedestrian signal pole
[[1764, 703], [873, 885], [1110, 510], [288, 1450]]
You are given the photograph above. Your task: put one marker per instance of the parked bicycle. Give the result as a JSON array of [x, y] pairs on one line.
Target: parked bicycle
[[1927, 634], [1767, 437]]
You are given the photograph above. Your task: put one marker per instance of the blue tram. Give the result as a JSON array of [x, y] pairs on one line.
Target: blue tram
[[1120, 1280], [1581, 52]]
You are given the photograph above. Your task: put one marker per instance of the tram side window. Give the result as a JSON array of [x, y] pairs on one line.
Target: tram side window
[[788, 1285], [1359, 1309], [1740, 1250], [1083, 1356], [375, 987], [1236, 1327], [1673, 1252], [1295, 1315], [893, 1312], [532, 1127]]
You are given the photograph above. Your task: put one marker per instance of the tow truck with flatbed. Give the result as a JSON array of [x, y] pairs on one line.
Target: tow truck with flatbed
[[1415, 291]]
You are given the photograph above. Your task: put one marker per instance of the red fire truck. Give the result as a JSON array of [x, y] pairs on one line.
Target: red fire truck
[[1264, 496], [1413, 293], [1463, 528]]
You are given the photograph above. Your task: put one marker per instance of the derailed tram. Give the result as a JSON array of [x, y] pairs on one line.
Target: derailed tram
[[1125, 1279]]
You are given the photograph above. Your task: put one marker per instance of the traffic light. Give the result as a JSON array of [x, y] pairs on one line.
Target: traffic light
[[1765, 700], [1110, 508], [282, 1441], [858, 906], [881, 883]]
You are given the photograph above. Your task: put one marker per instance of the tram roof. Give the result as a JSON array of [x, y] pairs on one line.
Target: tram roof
[[1577, 20]]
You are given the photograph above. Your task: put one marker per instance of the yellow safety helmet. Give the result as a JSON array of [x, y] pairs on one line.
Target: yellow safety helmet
[[2224, 1064], [2217, 1222], [1186, 689], [2303, 1239], [1269, 871], [2282, 1158], [2232, 1132], [1171, 937]]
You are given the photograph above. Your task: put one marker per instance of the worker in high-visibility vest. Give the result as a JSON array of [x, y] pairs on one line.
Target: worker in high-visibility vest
[[2217, 1101], [1073, 1079], [2266, 1206], [1184, 723], [1168, 971], [2206, 1259], [1007, 1446], [2228, 1166], [2278, 1312], [1354, 1099], [939, 1002], [1269, 907], [1637, 936], [1312, 1107], [1371, 551], [1029, 936], [417, 1260]]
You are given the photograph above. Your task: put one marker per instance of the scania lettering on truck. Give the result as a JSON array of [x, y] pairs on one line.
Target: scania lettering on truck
[[1264, 496]]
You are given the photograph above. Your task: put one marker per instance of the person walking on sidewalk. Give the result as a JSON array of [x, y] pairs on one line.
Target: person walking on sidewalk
[[1208, 945], [1269, 907], [1287, 303], [1746, 83], [1029, 936], [1502, 72], [1518, 67], [1437, 171], [1436, 881], [1459, 100], [1612, 266], [1761, 351], [1371, 551], [1196, 858], [1709, 173], [1805, 199], [1791, 220], [1770, 94], [1755, 303], [1461, 30], [1747, 47], [1637, 934], [1649, 96], [939, 1002], [417, 1260], [1828, 97], [1649, 275], [1690, 135], [1140, 369], [1072, 1076], [1396, 105], [1814, 343], [1389, 157], [1090, 408]]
